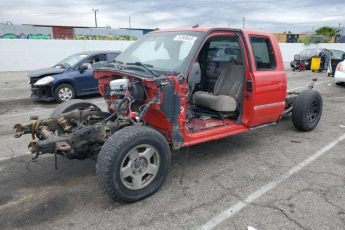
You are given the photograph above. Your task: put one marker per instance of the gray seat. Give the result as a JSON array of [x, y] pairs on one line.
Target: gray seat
[[226, 93]]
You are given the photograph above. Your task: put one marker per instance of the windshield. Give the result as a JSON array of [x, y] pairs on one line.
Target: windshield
[[70, 61], [309, 52], [163, 51]]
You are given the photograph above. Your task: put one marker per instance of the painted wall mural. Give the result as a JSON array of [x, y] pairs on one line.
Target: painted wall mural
[[102, 37], [25, 32], [9, 31], [106, 34], [289, 37], [24, 36]]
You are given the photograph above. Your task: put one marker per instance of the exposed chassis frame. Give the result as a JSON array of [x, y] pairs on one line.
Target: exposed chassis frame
[[81, 140]]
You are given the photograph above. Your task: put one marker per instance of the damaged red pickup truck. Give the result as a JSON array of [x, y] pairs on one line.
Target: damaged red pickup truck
[[171, 89]]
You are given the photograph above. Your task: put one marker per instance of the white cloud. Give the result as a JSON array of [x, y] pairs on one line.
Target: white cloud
[[271, 15]]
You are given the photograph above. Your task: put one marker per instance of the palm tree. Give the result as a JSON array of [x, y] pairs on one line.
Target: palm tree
[[328, 31]]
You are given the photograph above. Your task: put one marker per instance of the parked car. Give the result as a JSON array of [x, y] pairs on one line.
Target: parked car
[[306, 55], [339, 75], [337, 56], [71, 77]]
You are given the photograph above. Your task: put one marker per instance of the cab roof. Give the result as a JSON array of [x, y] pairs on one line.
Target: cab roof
[[212, 29]]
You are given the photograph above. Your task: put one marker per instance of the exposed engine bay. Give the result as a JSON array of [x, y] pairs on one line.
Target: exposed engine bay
[[80, 133]]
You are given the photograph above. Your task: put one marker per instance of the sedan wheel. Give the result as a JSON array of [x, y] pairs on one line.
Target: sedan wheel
[[64, 92]]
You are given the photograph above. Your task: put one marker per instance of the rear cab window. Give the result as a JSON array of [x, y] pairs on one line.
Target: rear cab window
[[263, 52]]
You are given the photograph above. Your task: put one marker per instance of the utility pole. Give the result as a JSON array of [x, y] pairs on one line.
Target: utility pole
[[129, 27], [243, 22], [95, 12]]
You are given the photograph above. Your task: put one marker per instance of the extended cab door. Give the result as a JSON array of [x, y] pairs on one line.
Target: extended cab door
[[267, 80]]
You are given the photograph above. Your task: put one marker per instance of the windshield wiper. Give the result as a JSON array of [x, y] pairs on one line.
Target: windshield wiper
[[146, 67]]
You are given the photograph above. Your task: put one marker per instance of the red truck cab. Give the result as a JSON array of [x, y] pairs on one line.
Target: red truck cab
[[258, 85]]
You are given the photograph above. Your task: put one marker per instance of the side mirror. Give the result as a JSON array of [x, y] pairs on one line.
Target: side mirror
[[343, 57], [194, 76], [83, 67]]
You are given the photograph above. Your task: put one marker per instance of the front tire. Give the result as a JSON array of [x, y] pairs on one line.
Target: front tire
[[307, 110], [64, 92], [133, 163]]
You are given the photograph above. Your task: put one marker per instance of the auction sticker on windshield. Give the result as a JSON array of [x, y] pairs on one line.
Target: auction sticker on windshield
[[185, 38]]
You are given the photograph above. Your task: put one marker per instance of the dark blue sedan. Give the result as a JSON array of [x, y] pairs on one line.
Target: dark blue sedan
[[71, 77]]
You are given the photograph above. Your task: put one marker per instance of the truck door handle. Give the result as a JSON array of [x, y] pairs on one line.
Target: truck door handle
[[249, 86]]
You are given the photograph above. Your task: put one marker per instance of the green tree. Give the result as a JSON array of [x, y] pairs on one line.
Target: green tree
[[328, 31]]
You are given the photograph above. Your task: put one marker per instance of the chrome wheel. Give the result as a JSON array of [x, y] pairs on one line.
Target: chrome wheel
[[65, 94], [139, 167]]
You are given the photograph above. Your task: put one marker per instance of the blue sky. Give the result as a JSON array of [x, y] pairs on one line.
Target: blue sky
[[268, 15]]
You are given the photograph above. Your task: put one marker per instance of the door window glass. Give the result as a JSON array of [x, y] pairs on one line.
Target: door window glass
[[263, 52], [96, 61], [221, 51]]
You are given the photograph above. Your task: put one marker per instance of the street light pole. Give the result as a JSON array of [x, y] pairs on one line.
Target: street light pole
[[95, 12], [243, 22]]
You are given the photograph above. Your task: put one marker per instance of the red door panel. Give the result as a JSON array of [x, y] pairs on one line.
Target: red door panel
[[268, 79]]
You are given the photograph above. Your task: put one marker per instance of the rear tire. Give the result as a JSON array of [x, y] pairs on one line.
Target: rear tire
[[307, 110], [71, 105], [133, 163]]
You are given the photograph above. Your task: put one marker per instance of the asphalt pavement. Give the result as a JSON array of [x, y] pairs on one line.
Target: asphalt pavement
[[271, 178]]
